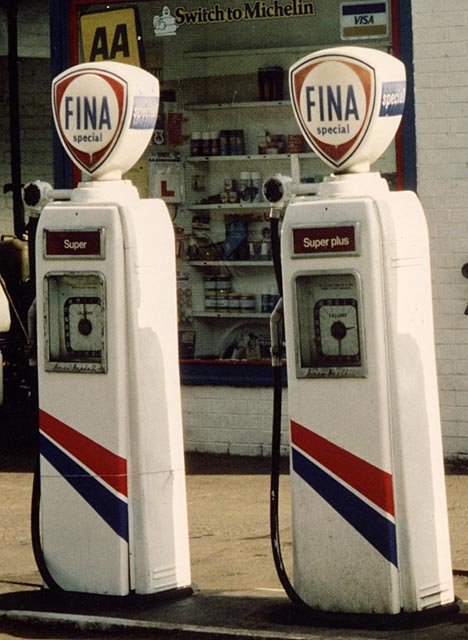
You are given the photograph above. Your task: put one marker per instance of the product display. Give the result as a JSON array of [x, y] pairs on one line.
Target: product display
[[270, 83], [240, 131]]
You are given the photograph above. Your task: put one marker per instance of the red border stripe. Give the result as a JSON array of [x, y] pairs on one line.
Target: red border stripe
[[370, 481], [104, 463]]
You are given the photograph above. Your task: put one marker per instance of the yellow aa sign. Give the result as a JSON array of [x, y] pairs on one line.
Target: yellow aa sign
[[111, 35]]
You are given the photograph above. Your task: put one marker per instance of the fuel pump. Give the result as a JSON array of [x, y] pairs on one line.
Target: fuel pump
[[113, 516], [369, 514]]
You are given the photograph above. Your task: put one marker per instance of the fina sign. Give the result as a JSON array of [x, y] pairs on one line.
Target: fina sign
[[347, 110], [90, 110], [335, 98], [104, 113]]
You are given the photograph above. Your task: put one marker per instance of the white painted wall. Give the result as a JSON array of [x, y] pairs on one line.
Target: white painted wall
[[440, 30], [234, 420]]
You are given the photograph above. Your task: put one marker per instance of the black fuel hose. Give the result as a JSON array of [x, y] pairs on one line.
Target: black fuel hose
[[275, 248], [277, 368], [277, 332], [38, 551]]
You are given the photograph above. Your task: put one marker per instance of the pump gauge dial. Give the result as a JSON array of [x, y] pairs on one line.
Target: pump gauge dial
[[75, 322], [81, 321], [337, 331], [329, 325]]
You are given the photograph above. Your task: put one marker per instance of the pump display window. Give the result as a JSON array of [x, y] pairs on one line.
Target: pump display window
[[225, 125]]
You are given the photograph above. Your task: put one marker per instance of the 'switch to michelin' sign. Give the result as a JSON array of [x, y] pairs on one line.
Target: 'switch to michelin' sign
[[167, 23]]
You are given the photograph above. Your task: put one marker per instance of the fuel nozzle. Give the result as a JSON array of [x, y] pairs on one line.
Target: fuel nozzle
[[278, 190], [39, 193], [36, 194]]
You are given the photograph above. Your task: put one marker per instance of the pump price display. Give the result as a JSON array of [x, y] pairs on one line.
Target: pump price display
[[75, 323], [80, 316], [336, 327], [329, 325]]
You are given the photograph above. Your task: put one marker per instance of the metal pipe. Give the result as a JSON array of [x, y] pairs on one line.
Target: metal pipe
[[15, 139]]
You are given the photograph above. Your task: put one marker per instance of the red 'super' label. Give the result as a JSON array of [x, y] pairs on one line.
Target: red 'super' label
[[73, 242]]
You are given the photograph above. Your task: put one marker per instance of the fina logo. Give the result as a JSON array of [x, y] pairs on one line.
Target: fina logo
[[89, 109], [333, 99]]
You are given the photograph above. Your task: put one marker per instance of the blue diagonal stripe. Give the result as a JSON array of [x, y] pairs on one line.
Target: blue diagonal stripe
[[375, 528], [106, 504]]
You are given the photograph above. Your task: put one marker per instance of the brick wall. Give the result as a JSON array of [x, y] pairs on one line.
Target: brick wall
[[231, 420], [440, 30]]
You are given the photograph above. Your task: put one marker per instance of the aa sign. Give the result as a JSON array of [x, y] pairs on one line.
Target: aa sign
[[111, 35]]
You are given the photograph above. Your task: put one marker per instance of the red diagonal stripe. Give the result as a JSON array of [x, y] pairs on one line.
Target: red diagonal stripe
[[370, 481], [105, 464]]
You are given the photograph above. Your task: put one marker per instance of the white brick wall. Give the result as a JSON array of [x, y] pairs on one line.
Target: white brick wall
[[231, 420], [440, 29]]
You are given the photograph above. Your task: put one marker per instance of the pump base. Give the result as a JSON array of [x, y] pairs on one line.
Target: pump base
[[132, 602], [404, 620]]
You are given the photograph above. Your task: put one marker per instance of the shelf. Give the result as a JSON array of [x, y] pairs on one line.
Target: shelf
[[253, 206], [268, 156], [249, 373], [238, 105], [230, 263], [235, 315], [221, 53]]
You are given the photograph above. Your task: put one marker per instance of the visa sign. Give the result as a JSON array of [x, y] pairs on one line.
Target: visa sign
[[89, 109]]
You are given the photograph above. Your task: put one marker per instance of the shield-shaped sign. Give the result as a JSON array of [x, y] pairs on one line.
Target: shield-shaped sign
[[333, 98], [89, 107]]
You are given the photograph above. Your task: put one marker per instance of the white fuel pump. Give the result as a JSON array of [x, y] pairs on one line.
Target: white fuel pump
[[369, 515], [113, 504]]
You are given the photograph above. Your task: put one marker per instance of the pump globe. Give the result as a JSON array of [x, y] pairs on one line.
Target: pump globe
[[348, 102], [105, 113]]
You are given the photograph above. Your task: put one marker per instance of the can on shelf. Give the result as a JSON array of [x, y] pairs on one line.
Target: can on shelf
[[244, 187], [214, 143], [234, 302], [210, 283], [206, 146], [268, 302], [211, 301], [222, 301], [223, 284], [224, 149], [196, 144], [248, 302], [256, 187]]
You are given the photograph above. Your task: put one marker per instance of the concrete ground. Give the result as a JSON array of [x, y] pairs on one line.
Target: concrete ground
[[239, 593]]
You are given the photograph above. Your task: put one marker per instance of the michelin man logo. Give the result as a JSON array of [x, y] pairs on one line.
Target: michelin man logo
[[164, 25]]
